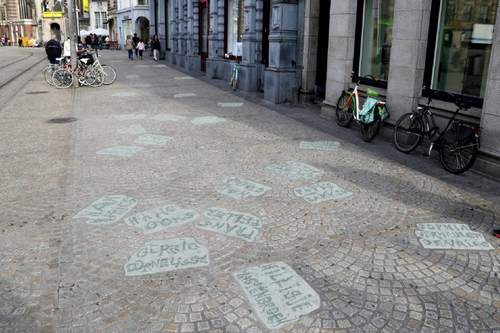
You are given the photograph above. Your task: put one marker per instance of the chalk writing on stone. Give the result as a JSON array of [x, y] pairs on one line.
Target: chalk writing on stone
[[153, 139], [184, 95], [132, 76], [130, 116], [183, 78], [277, 293], [167, 117], [158, 66], [295, 170], [230, 104], [319, 145], [207, 120], [122, 151], [132, 129], [107, 210], [238, 188], [124, 94], [160, 218], [167, 255], [450, 236], [230, 223], [321, 192]]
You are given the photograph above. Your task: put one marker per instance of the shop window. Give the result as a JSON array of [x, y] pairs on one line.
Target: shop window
[[234, 26], [459, 50], [374, 40]]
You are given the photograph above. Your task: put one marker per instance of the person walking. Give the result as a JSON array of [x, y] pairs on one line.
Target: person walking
[[156, 48], [130, 48], [141, 47], [136, 39]]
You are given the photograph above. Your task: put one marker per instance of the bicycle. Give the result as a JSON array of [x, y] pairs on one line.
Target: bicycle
[[458, 143], [86, 75], [49, 70], [369, 118], [233, 82]]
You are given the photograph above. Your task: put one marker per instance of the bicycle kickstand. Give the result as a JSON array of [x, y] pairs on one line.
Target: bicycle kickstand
[[429, 151]]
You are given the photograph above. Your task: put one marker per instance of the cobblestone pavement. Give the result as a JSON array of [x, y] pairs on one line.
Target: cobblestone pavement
[[171, 205]]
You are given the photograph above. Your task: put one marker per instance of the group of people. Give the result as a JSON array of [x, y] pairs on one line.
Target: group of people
[[4, 40], [95, 42], [136, 45]]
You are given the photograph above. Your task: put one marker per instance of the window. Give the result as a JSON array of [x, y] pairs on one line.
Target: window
[[142, 2], [234, 26], [374, 39], [100, 19], [460, 47]]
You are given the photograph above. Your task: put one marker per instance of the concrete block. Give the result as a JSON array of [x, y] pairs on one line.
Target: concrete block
[[407, 25], [490, 134], [248, 78]]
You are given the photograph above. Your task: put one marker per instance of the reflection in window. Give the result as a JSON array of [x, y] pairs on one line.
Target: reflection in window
[[234, 24], [376, 38], [463, 48]]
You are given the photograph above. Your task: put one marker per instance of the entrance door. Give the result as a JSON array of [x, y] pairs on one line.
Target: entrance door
[[265, 32], [322, 57], [203, 38]]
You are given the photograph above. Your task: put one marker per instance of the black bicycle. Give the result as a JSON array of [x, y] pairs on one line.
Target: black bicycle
[[458, 143]]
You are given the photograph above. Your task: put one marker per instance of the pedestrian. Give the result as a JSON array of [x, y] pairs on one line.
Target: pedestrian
[[135, 39], [156, 48], [20, 42], [53, 50], [88, 40], [130, 48], [141, 47], [67, 48]]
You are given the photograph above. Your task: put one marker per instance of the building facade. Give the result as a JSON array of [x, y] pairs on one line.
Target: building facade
[[18, 19], [303, 49], [131, 17], [98, 15]]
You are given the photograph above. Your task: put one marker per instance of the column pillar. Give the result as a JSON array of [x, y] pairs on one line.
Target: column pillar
[[490, 117], [248, 69], [280, 77], [215, 61], [340, 52], [408, 53]]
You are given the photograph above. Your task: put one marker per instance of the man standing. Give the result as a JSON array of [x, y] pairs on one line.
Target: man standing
[[135, 40], [129, 47], [53, 50]]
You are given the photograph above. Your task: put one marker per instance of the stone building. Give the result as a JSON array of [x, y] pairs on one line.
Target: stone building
[[293, 50], [130, 17], [18, 19]]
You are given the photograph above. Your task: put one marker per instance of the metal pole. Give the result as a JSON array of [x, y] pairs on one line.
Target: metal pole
[[72, 34]]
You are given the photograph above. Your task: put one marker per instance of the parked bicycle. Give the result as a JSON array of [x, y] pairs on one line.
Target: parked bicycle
[[234, 80], [89, 71], [370, 117], [458, 143]]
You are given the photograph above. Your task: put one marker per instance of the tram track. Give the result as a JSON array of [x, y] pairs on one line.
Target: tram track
[[18, 60], [17, 68]]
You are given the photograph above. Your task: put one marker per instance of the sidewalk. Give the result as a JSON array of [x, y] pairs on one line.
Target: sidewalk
[[171, 205]]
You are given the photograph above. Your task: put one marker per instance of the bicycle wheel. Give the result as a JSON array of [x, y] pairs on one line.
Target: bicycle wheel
[[343, 111], [98, 78], [369, 131], [109, 74], [408, 133], [62, 78], [47, 75], [457, 155]]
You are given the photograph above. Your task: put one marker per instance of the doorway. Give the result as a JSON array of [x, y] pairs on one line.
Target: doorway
[[322, 56], [265, 32], [55, 30], [142, 28], [204, 27]]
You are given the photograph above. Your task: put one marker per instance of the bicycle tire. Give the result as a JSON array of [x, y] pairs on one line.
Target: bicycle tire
[[99, 79], [370, 131], [62, 78], [449, 149], [415, 141], [344, 116], [109, 78]]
